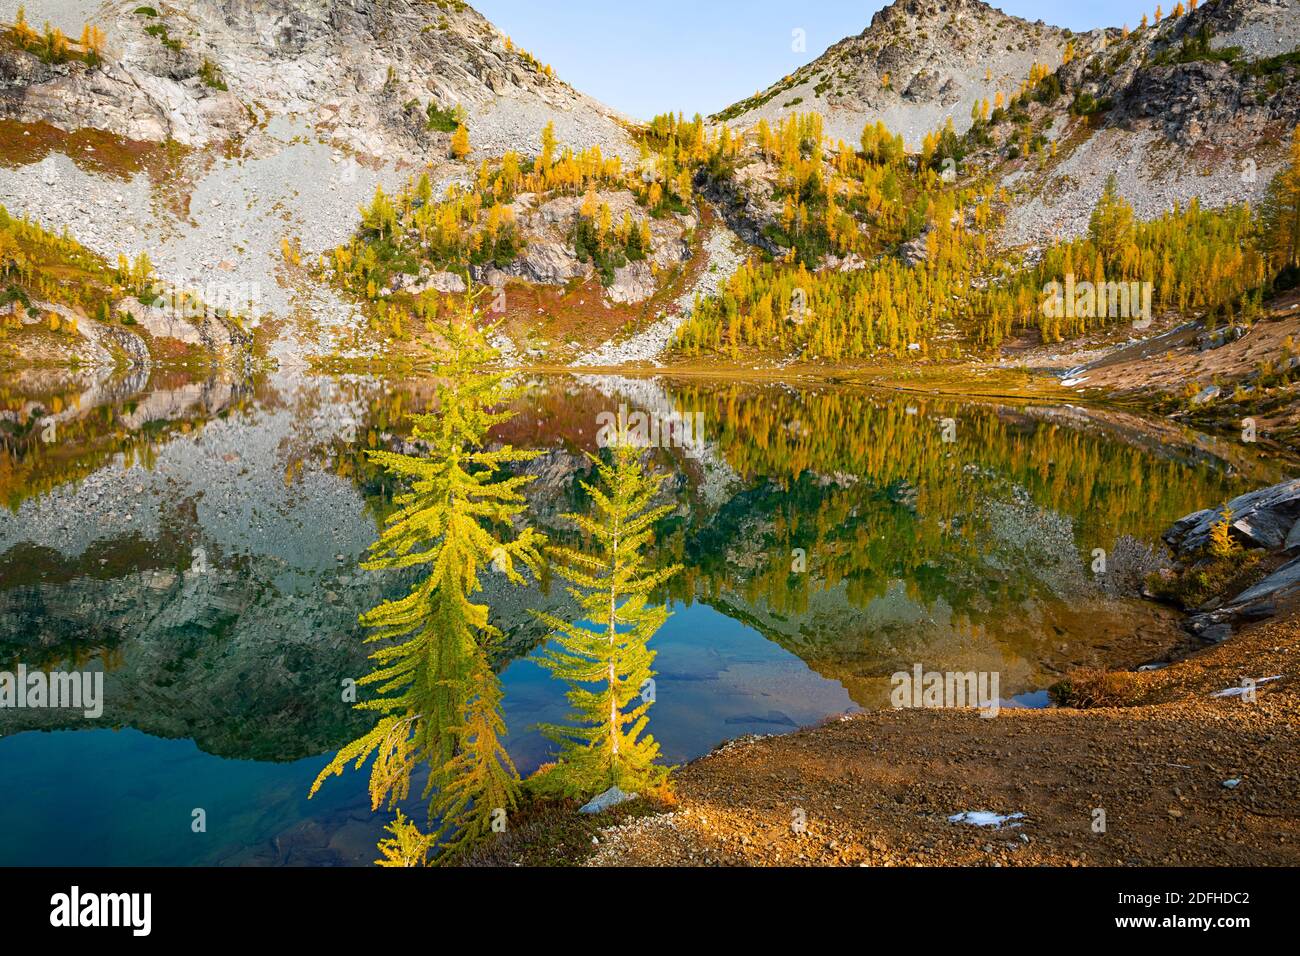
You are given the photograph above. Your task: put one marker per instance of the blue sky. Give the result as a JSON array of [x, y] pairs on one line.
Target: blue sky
[[702, 55]]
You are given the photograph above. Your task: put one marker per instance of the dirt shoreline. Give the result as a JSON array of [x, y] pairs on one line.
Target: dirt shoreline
[[878, 788]]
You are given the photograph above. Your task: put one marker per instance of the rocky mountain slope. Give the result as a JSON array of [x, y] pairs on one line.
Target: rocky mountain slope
[[1193, 106], [1197, 106], [366, 73], [272, 119], [208, 132], [919, 63]]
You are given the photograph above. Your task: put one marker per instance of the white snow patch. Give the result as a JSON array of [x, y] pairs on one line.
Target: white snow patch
[[985, 818], [1238, 691]]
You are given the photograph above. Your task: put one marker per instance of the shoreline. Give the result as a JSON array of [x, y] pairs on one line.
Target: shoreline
[[878, 788], [1186, 760]]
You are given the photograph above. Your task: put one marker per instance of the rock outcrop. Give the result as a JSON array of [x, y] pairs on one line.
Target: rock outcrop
[[366, 73], [918, 64], [1267, 519], [140, 336], [1188, 108], [116, 97], [1260, 519], [549, 257]]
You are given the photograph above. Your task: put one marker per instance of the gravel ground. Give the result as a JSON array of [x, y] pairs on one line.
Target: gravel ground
[[68, 15], [878, 789], [1274, 29], [512, 123], [1149, 173]]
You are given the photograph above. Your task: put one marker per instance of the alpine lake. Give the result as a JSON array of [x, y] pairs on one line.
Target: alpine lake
[[199, 541]]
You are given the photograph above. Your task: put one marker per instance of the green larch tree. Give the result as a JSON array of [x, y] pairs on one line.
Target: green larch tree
[[605, 657], [436, 694]]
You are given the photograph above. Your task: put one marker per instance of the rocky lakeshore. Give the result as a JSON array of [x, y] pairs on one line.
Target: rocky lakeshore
[[1182, 762], [954, 517]]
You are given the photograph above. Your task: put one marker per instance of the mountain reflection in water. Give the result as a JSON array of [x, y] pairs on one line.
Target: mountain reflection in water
[[830, 536]]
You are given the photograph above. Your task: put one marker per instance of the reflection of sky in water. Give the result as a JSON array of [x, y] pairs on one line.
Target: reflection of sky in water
[[103, 797], [123, 797], [717, 679]]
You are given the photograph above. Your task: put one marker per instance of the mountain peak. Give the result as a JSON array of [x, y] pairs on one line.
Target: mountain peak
[[918, 64]]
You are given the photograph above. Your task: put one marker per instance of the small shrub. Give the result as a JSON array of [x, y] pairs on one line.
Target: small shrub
[[440, 120], [1221, 543], [1207, 579], [1085, 104], [210, 74], [1086, 687]]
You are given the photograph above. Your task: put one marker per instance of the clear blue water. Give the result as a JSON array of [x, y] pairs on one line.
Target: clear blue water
[[124, 798], [971, 556]]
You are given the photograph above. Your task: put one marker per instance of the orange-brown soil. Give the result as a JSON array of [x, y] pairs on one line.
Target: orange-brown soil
[[878, 788]]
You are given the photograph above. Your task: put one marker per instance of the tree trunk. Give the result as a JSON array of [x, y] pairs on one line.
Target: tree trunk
[[613, 636]]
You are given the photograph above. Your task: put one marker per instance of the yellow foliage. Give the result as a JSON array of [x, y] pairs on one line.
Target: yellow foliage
[[460, 142], [1221, 543]]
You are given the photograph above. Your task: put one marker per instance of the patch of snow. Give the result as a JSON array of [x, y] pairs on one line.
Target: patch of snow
[[985, 818], [1238, 691]]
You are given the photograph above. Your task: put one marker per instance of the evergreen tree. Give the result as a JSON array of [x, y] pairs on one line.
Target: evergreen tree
[[1111, 224], [547, 156], [10, 255], [1281, 212], [26, 35], [437, 696], [605, 658], [460, 142], [1222, 544], [407, 846], [380, 217]]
